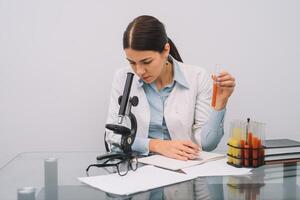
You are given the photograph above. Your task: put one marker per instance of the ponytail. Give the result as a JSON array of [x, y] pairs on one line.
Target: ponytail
[[173, 51]]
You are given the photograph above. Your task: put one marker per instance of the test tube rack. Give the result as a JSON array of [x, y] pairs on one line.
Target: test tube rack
[[245, 146]]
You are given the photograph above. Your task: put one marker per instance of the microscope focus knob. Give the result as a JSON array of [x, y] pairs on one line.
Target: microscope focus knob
[[120, 99], [134, 101]]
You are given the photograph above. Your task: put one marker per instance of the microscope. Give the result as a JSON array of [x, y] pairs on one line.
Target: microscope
[[127, 134]]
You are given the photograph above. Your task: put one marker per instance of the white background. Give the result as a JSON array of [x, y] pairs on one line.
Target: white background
[[57, 60]]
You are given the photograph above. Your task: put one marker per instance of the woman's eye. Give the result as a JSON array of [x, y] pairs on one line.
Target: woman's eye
[[147, 63]]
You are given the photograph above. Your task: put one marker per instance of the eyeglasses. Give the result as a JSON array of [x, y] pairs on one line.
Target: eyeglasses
[[122, 163]]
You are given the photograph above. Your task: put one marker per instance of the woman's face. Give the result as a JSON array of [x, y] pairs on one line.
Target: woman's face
[[148, 65]]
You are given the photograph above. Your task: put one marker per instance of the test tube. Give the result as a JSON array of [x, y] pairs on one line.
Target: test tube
[[230, 143], [255, 132], [233, 140], [243, 126], [215, 86], [255, 152], [243, 152], [261, 143], [250, 141], [246, 146], [238, 131], [242, 129], [230, 159]]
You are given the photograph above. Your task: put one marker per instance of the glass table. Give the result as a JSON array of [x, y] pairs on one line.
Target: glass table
[[28, 170]]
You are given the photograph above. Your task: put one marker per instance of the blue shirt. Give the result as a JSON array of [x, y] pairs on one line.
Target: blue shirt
[[212, 130]]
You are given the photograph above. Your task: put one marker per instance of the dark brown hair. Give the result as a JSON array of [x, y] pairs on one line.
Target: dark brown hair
[[148, 33]]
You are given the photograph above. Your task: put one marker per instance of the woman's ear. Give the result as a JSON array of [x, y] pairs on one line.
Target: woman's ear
[[167, 48]]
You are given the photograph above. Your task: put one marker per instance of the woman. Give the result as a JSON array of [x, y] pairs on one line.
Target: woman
[[174, 114]]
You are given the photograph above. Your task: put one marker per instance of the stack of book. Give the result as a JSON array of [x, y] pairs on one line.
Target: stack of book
[[281, 151]]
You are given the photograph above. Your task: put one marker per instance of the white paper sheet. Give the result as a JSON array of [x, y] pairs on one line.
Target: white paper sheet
[[173, 164], [216, 168], [143, 179]]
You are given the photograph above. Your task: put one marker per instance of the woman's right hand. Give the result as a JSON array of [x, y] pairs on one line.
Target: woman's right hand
[[178, 149]]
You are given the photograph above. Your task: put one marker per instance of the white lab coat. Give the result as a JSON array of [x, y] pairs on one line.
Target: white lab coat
[[186, 109]]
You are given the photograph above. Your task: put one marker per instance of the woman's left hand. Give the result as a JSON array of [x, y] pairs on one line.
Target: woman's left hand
[[225, 83]]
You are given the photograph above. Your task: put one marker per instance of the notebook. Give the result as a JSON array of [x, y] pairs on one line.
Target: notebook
[[277, 147], [281, 143], [292, 158]]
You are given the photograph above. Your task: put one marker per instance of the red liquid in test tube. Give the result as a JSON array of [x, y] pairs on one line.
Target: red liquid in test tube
[[215, 86]]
